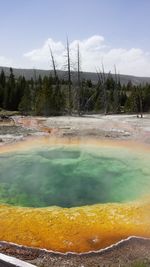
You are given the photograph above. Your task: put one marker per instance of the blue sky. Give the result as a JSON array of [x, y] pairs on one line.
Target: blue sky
[[108, 31]]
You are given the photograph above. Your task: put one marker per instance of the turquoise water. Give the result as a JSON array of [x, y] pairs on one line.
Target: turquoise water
[[72, 176]]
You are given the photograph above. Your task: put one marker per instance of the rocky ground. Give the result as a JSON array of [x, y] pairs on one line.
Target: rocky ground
[[101, 126], [12, 131], [120, 127], [130, 252]]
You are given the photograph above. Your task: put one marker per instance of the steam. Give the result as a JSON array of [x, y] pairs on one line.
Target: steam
[[69, 176]]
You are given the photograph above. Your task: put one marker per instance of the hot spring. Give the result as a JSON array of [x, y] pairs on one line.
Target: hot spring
[[103, 186], [72, 176]]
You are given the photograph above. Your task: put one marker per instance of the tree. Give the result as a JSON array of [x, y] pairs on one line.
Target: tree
[[9, 92], [101, 91], [131, 104], [12, 90], [19, 91], [116, 93], [25, 103], [146, 98], [140, 100], [44, 101], [69, 78], [2, 87], [58, 97], [79, 80]]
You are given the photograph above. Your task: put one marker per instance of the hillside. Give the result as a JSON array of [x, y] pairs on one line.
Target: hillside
[[31, 73]]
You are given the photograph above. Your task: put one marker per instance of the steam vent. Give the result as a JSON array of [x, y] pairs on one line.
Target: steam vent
[[74, 196]]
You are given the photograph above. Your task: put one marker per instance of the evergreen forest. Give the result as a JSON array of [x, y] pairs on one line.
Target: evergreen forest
[[52, 96]]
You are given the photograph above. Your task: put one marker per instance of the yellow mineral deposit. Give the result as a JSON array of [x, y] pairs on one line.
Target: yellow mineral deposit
[[76, 229]]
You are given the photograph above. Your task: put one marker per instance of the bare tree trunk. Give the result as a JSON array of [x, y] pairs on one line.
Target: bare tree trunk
[[116, 92], [79, 80], [69, 78], [104, 91], [140, 103], [141, 107], [53, 63]]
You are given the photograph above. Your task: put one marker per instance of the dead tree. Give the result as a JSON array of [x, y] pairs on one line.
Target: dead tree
[[103, 75], [69, 78], [57, 93], [53, 63], [140, 101], [116, 92], [79, 79], [100, 90]]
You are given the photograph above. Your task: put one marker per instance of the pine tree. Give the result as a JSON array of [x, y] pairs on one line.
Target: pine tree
[[25, 103], [2, 87], [10, 92], [44, 103]]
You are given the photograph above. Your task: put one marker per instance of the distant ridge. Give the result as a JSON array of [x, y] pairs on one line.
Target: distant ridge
[[31, 73]]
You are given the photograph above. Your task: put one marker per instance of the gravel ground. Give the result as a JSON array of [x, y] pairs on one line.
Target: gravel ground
[[11, 131], [100, 126], [130, 252], [118, 127]]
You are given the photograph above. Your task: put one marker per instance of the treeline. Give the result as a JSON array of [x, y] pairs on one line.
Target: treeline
[[53, 96]]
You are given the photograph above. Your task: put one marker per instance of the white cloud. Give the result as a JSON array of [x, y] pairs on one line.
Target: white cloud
[[93, 52], [5, 61], [94, 43], [41, 56]]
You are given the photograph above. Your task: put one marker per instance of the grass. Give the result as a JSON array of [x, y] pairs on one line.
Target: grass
[[8, 112], [140, 264]]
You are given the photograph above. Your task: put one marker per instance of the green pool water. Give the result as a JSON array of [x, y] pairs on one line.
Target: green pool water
[[72, 176]]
